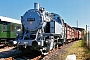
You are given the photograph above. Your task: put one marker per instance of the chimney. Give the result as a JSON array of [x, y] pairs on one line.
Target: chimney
[[36, 6]]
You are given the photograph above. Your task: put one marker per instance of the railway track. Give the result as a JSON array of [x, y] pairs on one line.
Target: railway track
[[4, 47], [33, 55], [26, 55]]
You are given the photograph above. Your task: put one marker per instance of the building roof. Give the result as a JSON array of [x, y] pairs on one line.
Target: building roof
[[7, 19]]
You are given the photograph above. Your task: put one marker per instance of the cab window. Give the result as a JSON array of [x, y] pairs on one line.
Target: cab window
[[59, 20]]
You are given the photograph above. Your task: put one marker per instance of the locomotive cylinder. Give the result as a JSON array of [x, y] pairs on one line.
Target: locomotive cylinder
[[36, 6]]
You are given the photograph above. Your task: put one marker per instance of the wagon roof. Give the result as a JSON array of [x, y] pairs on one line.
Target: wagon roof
[[79, 28], [7, 19]]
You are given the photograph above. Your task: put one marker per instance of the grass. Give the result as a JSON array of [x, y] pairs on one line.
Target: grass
[[77, 48]]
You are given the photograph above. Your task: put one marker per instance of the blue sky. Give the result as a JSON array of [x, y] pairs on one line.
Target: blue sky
[[69, 10]]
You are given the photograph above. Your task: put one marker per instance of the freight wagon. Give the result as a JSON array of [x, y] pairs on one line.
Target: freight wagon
[[8, 29], [72, 33], [80, 32]]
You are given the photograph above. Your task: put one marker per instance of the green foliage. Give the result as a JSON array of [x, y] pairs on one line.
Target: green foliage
[[87, 52]]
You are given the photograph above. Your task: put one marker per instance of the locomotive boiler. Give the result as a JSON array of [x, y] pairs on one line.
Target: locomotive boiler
[[42, 30]]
